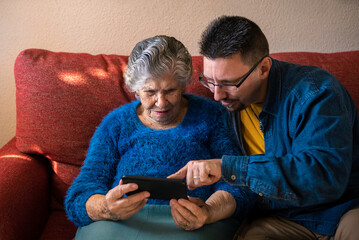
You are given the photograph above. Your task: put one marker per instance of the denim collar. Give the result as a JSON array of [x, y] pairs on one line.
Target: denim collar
[[274, 91]]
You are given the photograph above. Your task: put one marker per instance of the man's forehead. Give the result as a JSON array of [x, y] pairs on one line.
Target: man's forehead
[[222, 68]]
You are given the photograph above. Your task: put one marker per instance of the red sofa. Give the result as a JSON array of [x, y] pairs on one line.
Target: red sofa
[[60, 99]]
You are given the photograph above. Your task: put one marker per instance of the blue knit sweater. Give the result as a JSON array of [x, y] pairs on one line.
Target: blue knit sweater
[[123, 145]]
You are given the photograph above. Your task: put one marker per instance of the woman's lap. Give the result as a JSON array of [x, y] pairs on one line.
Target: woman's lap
[[155, 222]]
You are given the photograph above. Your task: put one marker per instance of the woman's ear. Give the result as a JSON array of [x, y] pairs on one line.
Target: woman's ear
[[183, 89], [137, 95]]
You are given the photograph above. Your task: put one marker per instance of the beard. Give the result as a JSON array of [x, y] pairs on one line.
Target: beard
[[232, 105]]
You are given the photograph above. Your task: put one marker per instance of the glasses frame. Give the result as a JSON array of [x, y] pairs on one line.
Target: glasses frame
[[207, 84]]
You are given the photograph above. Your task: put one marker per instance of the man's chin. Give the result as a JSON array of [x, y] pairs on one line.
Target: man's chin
[[230, 107]]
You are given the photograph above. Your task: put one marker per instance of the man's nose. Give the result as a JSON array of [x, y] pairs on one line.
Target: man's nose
[[219, 94]]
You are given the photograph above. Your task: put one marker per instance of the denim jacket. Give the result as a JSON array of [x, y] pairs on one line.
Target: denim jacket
[[310, 170]]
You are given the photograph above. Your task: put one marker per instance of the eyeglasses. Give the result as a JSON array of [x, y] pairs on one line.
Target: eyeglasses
[[210, 84]]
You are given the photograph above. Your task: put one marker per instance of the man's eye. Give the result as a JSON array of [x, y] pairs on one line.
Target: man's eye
[[209, 80], [226, 82]]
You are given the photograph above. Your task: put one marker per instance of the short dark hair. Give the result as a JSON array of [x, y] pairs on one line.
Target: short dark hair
[[228, 35]]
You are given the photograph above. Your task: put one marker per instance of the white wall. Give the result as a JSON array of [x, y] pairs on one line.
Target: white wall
[[114, 26]]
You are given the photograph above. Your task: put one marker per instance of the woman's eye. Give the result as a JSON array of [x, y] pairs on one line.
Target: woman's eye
[[150, 93], [171, 91]]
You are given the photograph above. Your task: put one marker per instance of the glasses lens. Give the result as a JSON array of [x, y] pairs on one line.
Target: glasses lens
[[227, 87], [206, 83]]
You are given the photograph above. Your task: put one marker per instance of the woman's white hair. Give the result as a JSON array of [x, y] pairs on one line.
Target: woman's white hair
[[156, 56]]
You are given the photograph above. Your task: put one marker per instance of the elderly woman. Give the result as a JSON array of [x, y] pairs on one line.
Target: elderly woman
[[154, 136]]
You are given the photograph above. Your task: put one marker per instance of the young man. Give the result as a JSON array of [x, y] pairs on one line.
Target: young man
[[298, 129]]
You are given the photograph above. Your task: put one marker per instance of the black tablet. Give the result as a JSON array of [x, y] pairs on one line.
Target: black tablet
[[159, 188]]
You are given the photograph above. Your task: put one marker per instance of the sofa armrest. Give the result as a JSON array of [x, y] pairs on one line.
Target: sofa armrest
[[24, 193]]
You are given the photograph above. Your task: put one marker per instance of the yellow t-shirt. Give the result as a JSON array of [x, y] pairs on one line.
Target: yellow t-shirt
[[252, 135]]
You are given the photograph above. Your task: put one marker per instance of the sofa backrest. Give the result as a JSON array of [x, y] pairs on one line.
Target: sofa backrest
[[62, 97]]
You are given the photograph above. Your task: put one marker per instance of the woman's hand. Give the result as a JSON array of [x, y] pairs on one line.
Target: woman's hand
[[114, 206], [189, 214], [194, 213]]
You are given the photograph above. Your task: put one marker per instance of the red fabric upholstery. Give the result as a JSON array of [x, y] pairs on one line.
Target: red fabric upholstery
[[61, 98], [66, 95], [24, 194]]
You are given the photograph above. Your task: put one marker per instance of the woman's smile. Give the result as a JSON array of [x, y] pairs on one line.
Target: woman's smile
[[162, 112]]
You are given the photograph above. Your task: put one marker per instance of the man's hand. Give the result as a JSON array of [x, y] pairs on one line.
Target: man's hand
[[200, 172]]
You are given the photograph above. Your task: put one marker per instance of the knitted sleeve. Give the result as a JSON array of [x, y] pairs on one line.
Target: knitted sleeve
[[98, 171]]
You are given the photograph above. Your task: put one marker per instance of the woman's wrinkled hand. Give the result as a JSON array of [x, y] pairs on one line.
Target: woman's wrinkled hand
[[120, 207], [189, 214]]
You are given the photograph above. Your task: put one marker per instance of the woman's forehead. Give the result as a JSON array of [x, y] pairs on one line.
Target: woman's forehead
[[161, 83]]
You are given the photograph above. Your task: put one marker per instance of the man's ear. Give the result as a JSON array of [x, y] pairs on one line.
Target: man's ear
[[265, 67]]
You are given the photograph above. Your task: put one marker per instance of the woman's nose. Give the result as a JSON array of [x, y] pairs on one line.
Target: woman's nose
[[161, 101]]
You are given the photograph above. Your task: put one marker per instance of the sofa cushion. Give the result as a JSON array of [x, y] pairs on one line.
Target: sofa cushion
[[58, 227], [62, 97], [24, 194]]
